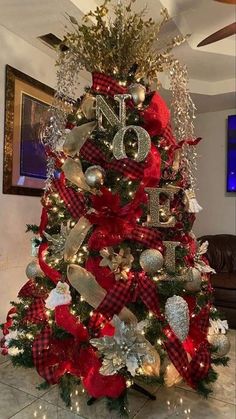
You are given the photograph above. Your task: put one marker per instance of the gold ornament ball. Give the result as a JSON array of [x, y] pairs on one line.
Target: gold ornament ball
[[95, 176], [33, 270], [221, 342], [138, 92], [151, 260], [195, 283], [163, 216]]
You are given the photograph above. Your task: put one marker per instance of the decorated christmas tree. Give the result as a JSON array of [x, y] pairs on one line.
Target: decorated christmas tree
[[119, 292]]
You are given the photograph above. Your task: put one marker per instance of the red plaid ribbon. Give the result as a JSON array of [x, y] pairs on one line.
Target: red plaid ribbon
[[125, 292], [177, 355], [147, 237], [28, 290], [31, 290], [126, 167], [199, 325], [200, 364], [36, 312], [73, 200], [168, 135], [198, 368], [106, 85], [39, 350]]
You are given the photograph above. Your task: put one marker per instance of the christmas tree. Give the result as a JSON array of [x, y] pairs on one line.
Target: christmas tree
[[118, 293]]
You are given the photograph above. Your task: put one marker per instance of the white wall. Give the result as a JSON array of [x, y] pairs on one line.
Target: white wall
[[17, 211], [219, 207]]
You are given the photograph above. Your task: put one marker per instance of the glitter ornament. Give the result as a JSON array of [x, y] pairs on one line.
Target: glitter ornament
[[151, 260], [95, 176], [177, 315], [221, 343], [126, 348], [195, 283], [138, 92], [33, 270]]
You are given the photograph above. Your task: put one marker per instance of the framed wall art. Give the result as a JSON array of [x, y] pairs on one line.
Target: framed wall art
[[26, 113]]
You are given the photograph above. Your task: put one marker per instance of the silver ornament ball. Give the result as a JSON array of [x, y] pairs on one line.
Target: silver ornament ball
[[151, 260], [221, 342], [95, 176], [33, 270], [195, 283], [137, 91]]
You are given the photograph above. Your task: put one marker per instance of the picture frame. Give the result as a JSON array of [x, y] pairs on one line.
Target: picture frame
[[26, 113]]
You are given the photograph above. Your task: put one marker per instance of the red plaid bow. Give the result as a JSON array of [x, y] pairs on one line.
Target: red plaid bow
[[123, 293]]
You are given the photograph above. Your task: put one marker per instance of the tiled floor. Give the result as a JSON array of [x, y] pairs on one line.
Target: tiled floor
[[19, 398]]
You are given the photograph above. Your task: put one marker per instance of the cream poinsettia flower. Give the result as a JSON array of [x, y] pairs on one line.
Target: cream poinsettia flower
[[119, 263]]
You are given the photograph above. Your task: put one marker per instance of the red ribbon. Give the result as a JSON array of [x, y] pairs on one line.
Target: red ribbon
[[156, 115], [51, 273], [9, 321], [44, 221], [70, 323]]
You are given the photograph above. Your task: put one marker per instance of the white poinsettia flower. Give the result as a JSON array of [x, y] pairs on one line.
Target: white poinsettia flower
[[203, 248], [11, 335], [203, 267], [199, 263], [218, 327], [127, 348], [13, 350], [60, 295]]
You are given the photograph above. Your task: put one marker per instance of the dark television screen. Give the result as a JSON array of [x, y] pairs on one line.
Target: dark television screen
[[231, 154]]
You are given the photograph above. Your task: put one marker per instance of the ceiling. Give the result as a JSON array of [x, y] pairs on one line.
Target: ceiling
[[211, 68]]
